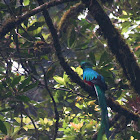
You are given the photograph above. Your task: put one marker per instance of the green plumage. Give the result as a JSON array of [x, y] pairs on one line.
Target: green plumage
[[104, 112], [94, 79]]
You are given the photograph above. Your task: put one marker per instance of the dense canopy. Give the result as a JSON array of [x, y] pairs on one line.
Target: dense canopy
[[42, 94]]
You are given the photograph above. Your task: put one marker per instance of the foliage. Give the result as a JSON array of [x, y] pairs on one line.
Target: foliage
[[28, 60]]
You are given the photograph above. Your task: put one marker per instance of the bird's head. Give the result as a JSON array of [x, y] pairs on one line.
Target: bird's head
[[85, 64]]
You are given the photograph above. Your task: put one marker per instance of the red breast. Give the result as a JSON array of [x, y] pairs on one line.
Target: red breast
[[89, 83]]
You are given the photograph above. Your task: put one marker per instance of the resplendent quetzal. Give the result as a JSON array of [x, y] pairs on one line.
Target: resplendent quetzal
[[94, 79]]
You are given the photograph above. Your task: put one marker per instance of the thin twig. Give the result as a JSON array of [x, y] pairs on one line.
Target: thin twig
[[36, 130], [67, 90], [54, 104]]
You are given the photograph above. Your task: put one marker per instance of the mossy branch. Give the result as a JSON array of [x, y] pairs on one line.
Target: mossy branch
[[71, 13], [116, 44], [12, 23]]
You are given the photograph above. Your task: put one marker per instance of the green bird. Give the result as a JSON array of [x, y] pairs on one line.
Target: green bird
[[94, 79]]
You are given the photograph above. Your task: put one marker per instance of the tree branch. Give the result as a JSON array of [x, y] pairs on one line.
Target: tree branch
[[12, 23], [71, 13], [36, 130], [116, 44]]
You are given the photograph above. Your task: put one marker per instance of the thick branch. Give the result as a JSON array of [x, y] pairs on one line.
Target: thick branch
[[74, 76], [116, 44], [115, 106], [71, 13], [12, 23]]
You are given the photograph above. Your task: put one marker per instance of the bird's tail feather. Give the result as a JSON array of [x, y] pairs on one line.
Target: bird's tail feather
[[104, 113]]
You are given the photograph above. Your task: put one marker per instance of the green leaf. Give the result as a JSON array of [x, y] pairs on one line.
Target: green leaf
[[31, 86], [124, 12], [79, 71], [86, 26], [3, 127], [104, 59], [24, 83], [72, 38], [15, 81], [29, 126], [125, 26], [23, 98], [124, 17], [59, 80], [26, 2], [45, 57], [35, 26], [41, 121]]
